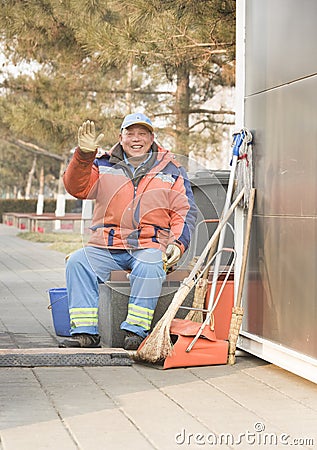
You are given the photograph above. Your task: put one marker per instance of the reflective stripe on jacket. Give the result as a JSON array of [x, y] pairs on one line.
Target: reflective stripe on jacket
[[148, 209]]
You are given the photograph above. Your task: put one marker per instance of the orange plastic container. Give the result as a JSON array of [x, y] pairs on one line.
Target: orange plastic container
[[223, 310]]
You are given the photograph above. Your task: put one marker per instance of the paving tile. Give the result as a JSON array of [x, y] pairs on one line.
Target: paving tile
[[106, 429], [158, 417], [277, 410], [215, 409], [48, 435], [94, 419], [295, 387], [27, 416]]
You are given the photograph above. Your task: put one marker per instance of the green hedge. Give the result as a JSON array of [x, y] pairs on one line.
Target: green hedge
[[29, 206]]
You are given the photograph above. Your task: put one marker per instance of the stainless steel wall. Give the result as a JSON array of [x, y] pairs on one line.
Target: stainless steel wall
[[281, 112]]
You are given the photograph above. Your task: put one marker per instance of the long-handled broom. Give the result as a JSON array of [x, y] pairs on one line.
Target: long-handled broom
[[241, 150], [237, 310], [157, 346], [241, 173]]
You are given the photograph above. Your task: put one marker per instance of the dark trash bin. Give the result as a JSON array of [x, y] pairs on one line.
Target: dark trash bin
[[210, 189]]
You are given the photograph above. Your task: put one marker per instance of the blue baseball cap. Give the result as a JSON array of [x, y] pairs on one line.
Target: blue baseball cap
[[137, 118]]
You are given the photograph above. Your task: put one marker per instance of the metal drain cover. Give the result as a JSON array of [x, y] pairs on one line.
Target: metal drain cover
[[39, 357]]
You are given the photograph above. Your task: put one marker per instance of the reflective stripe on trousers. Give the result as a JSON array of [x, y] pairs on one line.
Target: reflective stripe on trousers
[[83, 317], [139, 316]]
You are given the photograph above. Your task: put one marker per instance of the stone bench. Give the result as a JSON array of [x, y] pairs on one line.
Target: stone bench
[[46, 222], [113, 305]]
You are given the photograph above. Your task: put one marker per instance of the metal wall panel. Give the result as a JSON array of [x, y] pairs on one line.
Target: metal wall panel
[[282, 283], [284, 125], [282, 287], [281, 38]]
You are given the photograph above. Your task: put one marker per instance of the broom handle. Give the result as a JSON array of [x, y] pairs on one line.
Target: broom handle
[[188, 283], [215, 236], [245, 248]]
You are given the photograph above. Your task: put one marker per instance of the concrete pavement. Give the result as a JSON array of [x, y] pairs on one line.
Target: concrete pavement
[[252, 404]]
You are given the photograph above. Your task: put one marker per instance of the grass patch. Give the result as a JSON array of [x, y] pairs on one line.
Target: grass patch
[[61, 242]]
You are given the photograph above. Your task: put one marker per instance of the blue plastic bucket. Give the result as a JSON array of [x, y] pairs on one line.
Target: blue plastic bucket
[[59, 306]]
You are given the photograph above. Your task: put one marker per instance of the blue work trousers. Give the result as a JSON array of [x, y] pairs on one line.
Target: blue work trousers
[[89, 266]]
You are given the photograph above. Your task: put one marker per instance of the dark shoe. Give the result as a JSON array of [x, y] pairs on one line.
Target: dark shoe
[[81, 340], [132, 341]]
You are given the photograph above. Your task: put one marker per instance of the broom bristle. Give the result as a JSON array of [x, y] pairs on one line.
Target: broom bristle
[[196, 316], [199, 301], [158, 345], [235, 324]]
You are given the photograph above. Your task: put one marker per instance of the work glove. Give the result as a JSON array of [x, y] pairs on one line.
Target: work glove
[[173, 254], [87, 140]]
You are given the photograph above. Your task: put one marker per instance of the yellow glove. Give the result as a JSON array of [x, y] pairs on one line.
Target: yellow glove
[[87, 141], [173, 254]]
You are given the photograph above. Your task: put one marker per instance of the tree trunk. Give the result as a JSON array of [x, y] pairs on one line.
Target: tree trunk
[[30, 178], [128, 95], [182, 103]]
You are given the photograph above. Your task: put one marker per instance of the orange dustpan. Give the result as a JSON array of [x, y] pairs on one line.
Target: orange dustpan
[[195, 343], [208, 350]]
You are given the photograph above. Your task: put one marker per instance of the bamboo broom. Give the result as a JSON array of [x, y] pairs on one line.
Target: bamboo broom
[[157, 346], [237, 310], [195, 315]]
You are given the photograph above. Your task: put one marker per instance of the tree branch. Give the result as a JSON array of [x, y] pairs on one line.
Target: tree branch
[[210, 111], [93, 89], [206, 121], [198, 111], [28, 146]]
